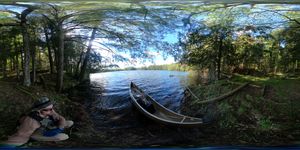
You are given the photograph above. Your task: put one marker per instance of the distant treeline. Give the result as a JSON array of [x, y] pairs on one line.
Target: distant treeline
[[173, 67]]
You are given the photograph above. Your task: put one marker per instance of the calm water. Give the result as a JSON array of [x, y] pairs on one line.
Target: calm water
[[112, 107]]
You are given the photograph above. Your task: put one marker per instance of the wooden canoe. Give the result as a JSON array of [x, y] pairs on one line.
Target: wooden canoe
[[155, 111]]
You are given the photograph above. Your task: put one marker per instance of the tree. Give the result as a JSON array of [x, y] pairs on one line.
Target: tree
[[87, 55], [22, 22], [208, 45]]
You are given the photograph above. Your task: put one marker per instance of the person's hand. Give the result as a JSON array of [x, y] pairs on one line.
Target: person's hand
[[52, 132]]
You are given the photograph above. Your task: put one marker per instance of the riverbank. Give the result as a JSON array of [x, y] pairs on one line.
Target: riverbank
[[16, 99], [265, 113]]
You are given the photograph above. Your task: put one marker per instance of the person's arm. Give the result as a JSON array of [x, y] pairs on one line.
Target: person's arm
[[60, 120], [27, 127]]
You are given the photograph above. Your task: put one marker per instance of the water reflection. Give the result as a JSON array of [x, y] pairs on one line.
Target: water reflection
[[112, 107]]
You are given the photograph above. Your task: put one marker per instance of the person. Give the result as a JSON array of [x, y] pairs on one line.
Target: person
[[42, 123]]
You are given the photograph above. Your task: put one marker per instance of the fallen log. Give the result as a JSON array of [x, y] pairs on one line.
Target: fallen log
[[219, 97]]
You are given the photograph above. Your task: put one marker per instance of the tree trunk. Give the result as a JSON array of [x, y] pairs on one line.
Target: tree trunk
[[66, 64], [1, 67], [33, 65], [16, 60], [49, 51], [26, 70], [78, 65], [40, 67], [22, 59], [54, 46], [212, 73], [17, 65], [296, 65], [86, 59], [60, 57], [12, 60], [4, 68], [219, 58]]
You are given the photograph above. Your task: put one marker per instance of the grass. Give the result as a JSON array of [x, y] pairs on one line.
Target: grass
[[283, 86], [253, 115], [265, 124]]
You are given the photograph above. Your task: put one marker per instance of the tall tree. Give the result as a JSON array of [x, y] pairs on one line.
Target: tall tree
[[24, 28], [208, 44], [49, 50], [87, 55]]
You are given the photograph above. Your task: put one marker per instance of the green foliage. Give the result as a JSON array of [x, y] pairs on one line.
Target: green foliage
[[173, 67], [265, 124], [211, 42], [219, 37], [219, 41]]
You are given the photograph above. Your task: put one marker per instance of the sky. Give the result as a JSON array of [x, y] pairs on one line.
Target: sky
[[158, 58]]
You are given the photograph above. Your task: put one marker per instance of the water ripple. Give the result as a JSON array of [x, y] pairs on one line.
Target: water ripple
[[113, 107]]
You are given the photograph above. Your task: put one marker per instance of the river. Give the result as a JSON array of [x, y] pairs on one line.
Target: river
[[111, 106]]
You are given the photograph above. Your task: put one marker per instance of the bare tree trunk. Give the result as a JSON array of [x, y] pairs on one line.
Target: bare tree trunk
[[22, 60], [4, 68], [78, 65], [33, 65], [49, 51], [54, 47], [11, 64], [40, 58], [1, 67], [85, 61], [17, 65], [212, 73], [16, 59], [66, 64], [26, 70], [60, 57], [219, 58], [296, 65]]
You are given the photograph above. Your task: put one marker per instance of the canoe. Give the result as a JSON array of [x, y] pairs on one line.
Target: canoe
[[157, 112]]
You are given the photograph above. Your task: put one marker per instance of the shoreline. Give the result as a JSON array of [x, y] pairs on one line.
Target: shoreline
[[147, 133]]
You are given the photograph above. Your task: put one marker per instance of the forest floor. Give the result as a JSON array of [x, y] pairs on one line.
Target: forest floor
[[266, 113]]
